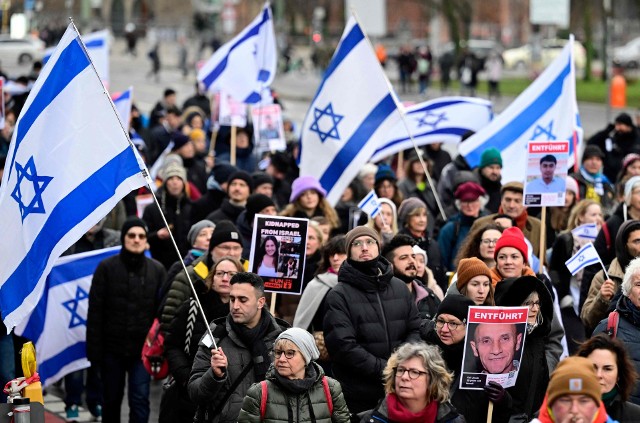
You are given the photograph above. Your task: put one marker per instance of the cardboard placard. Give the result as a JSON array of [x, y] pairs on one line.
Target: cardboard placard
[[493, 346], [268, 127], [546, 179], [278, 252], [232, 112]]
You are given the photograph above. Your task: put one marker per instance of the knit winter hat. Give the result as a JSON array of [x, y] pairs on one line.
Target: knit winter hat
[[179, 140], [456, 305], [303, 340], [242, 175], [512, 237], [174, 170], [628, 160], [385, 173], [624, 119], [592, 151], [303, 183], [196, 228], [359, 231], [469, 191], [129, 223], [222, 171], [255, 204], [225, 231], [261, 178], [490, 156], [469, 268], [417, 250], [573, 376], [628, 188], [407, 207], [572, 185]]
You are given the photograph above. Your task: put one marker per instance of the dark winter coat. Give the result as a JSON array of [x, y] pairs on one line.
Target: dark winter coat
[[122, 306], [446, 414], [227, 211], [209, 202], [622, 411], [448, 180], [493, 189], [435, 262], [452, 236], [366, 318], [619, 146]]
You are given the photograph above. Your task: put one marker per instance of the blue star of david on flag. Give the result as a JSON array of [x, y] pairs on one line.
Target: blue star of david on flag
[[431, 119], [544, 130], [319, 123], [37, 184], [72, 306]]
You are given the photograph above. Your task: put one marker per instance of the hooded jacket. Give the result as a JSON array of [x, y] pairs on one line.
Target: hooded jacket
[[366, 318]]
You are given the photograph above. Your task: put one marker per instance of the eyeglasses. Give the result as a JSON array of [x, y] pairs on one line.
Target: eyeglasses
[[532, 304], [221, 273], [134, 236], [413, 373], [489, 241], [289, 354], [452, 325], [367, 242], [228, 249]]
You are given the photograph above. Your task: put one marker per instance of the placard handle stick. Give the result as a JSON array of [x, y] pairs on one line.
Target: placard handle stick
[[543, 232], [272, 305], [490, 412], [233, 145]]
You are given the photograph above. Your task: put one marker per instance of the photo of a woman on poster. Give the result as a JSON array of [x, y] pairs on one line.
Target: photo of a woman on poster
[[267, 257]]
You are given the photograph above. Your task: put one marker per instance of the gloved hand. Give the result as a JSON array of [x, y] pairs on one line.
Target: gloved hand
[[497, 394]]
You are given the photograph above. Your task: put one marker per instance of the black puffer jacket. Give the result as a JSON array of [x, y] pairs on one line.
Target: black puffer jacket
[[227, 211], [366, 318], [122, 306]]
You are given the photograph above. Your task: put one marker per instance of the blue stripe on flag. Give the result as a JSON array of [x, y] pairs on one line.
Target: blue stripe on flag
[[435, 106], [215, 73], [76, 269], [586, 263], [95, 43], [50, 367], [70, 211], [446, 131], [522, 122], [367, 198], [358, 140], [71, 62]]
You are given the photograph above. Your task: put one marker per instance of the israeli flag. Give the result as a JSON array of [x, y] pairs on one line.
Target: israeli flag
[[586, 256], [353, 109], [68, 165], [546, 111], [123, 101], [245, 66], [58, 324], [370, 204], [444, 119], [97, 44], [586, 231]]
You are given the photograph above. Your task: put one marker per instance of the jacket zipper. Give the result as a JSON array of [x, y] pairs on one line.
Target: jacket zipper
[[384, 322]]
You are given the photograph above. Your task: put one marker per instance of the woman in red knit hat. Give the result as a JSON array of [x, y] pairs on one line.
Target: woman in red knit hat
[[511, 256]]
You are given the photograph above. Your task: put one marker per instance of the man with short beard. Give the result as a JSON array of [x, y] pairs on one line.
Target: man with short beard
[[399, 251], [239, 187], [489, 174]]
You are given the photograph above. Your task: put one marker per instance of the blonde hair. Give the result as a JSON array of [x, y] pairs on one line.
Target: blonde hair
[[394, 217], [578, 211], [439, 377]]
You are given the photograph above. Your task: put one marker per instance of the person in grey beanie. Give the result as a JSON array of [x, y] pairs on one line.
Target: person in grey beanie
[[294, 373]]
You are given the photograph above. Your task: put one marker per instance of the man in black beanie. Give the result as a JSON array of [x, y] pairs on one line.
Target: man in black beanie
[[616, 141], [239, 187], [122, 304], [368, 314]]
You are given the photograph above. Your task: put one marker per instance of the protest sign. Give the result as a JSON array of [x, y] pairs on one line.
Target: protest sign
[[493, 346], [232, 112], [267, 124], [278, 251], [546, 178]]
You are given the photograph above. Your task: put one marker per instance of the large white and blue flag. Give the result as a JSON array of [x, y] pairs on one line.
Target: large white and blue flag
[[586, 256], [443, 119], [123, 101], [68, 165], [244, 67], [97, 44], [351, 113], [58, 324], [546, 111]]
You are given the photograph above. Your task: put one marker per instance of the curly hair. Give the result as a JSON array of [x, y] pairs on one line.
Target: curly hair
[[440, 378], [627, 374], [471, 245]]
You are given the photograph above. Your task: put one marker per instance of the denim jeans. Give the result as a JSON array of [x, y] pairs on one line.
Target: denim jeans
[[74, 385], [115, 370], [7, 362]]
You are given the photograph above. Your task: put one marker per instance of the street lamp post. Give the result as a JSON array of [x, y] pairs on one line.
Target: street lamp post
[[607, 64]]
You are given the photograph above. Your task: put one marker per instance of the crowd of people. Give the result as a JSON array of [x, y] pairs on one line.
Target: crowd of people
[[380, 329]]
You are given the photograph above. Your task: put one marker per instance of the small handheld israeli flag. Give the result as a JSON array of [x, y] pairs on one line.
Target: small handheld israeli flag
[[586, 231], [586, 256], [370, 204]]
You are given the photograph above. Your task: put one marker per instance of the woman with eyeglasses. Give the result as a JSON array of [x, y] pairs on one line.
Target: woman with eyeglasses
[[481, 243], [416, 383], [266, 261], [296, 389], [533, 375], [214, 297]]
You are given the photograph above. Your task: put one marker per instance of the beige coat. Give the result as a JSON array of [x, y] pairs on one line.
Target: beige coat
[[595, 307]]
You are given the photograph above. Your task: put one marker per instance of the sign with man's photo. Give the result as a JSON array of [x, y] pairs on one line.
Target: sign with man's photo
[[546, 180]]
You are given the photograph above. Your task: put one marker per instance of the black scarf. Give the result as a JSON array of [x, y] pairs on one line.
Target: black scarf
[[134, 263], [369, 268], [254, 340], [298, 386]]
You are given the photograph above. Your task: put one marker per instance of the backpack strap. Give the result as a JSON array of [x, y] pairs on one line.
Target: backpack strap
[[263, 399], [612, 323], [327, 394], [607, 235]]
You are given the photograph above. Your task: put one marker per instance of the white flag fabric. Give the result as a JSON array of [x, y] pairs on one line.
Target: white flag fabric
[[351, 113], [370, 204], [97, 44], [546, 111], [58, 324], [586, 256], [586, 231], [443, 119], [245, 66], [68, 165], [123, 101]]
